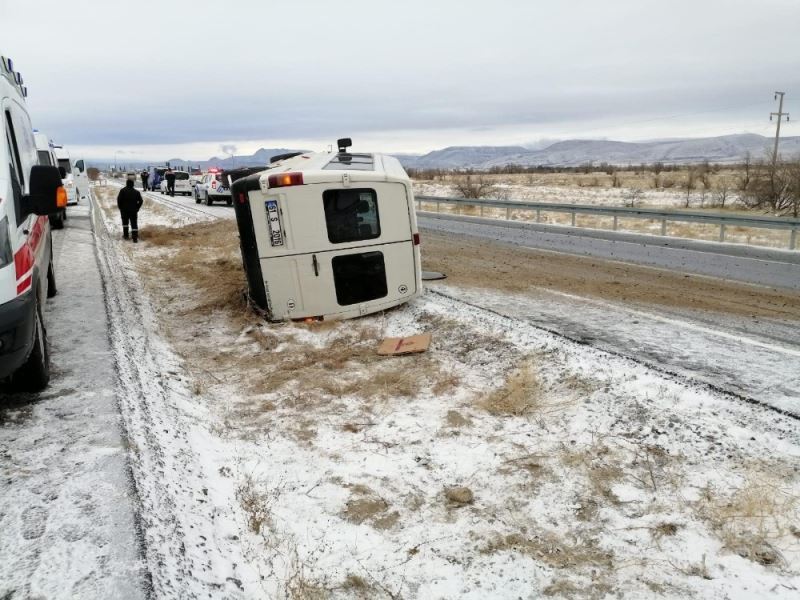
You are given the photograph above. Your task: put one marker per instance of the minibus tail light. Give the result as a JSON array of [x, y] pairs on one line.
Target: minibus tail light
[[285, 180], [416, 239]]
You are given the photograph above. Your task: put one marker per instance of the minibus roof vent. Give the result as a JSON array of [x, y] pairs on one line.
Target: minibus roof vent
[[278, 157], [348, 162]]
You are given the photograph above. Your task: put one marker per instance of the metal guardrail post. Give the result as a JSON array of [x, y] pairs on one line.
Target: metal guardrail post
[[438, 207], [793, 239], [538, 215], [663, 227], [615, 222], [573, 218], [508, 213], [481, 209], [722, 232]]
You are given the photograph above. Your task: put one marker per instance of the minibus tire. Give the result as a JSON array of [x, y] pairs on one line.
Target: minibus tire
[[58, 223], [34, 375], [209, 201], [196, 197], [229, 201], [64, 214]]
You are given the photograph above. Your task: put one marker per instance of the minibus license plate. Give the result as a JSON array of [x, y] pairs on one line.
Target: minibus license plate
[[274, 220]]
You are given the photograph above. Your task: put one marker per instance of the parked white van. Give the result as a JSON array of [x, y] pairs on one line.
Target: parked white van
[[329, 235], [45, 149], [28, 195], [76, 181]]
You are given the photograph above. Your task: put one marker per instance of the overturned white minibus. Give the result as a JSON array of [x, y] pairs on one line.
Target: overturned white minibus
[[328, 235]]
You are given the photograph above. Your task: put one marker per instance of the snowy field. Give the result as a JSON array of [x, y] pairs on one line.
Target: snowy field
[[608, 196], [288, 461]]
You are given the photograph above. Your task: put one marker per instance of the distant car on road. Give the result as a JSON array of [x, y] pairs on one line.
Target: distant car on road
[[183, 185]]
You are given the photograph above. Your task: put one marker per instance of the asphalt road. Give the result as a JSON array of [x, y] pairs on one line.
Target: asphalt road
[[749, 264]]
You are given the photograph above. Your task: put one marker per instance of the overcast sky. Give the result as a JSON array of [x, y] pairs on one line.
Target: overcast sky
[[157, 79]]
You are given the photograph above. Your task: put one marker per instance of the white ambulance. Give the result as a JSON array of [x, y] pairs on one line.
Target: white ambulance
[[328, 235], [76, 181], [45, 149], [29, 193]]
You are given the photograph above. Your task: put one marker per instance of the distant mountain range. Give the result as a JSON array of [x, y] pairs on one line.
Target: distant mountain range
[[569, 153]]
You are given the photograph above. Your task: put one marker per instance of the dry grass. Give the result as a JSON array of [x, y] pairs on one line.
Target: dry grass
[[521, 394], [365, 506], [554, 551], [756, 520], [254, 503]]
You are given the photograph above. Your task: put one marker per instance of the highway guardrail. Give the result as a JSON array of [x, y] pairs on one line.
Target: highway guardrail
[[718, 219]]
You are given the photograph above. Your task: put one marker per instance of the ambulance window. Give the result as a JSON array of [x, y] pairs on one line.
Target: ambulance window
[[44, 158], [359, 277], [64, 162], [15, 168], [351, 215]]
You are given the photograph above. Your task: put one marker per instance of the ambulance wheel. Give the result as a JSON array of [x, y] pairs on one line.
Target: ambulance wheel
[[162, 192], [196, 197], [64, 214], [34, 375], [229, 201], [209, 201], [52, 289]]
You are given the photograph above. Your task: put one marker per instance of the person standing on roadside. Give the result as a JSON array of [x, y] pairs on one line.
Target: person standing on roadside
[[144, 175], [170, 177], [129, 201]]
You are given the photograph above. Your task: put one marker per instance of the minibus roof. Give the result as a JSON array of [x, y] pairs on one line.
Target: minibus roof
[[320, 167]]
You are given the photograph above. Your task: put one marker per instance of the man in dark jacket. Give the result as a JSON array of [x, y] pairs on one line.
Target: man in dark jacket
[[144, 175], [129, 201], [170, 177]]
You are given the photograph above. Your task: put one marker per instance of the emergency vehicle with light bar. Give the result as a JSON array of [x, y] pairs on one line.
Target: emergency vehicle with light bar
[[211, 188], [29, 193], [328, 235]]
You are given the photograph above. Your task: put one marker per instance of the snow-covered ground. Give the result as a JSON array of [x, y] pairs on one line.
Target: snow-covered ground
[[596, 196], [67, 503], [288, 461]]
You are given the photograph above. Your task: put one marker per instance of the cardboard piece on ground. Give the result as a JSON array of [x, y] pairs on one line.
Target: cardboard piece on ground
[[406, 345]]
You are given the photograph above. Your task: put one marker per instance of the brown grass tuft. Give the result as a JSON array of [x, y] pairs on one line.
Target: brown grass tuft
[[522, 394]]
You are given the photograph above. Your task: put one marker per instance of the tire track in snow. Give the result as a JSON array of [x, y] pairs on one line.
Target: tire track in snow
[[188, 553]]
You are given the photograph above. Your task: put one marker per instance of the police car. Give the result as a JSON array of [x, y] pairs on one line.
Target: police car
[[29, 193], [212, 188]]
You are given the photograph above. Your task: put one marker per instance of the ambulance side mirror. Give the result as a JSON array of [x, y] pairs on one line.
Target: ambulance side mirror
[[44, 184]]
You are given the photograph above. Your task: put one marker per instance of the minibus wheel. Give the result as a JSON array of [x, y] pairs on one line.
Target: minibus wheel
[[52, 288]]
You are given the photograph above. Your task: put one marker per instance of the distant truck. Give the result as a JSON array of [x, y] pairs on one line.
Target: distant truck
[[45, 150], [76, 181]]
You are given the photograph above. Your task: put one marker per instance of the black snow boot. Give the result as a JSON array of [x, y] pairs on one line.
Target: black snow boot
[[135, 236], [125, 233]]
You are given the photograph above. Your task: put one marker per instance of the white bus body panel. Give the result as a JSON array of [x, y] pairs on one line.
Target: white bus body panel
[[298, 267]]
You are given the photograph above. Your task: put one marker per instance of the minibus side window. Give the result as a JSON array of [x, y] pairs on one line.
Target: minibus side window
[[15, 168], [351, 215]]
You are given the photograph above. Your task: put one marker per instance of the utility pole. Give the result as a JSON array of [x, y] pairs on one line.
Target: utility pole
[[780, 114]]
